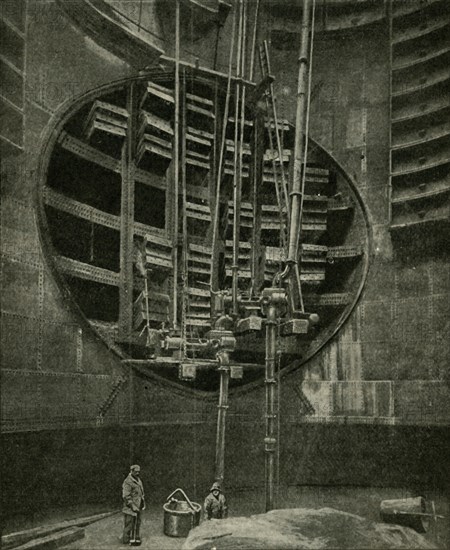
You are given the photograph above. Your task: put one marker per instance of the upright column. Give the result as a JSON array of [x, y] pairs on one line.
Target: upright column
[[300, 140], [256, 178], [272, 301], [237, 163], [127, 219], [222, 408], [176, 160], [225, 342]]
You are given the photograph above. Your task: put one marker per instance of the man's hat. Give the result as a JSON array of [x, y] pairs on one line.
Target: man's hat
[[135, 468], [215, 486]]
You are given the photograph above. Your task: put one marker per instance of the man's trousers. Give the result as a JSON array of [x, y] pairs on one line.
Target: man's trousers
[[131, 528]]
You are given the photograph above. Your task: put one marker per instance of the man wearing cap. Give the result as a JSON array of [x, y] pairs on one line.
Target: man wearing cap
[[215, 506], [133, 504]]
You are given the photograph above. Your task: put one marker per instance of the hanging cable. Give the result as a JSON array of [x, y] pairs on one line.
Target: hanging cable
[[215, 220]]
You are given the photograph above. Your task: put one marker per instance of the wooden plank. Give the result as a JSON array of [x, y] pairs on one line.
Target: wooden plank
[[55, 540], [13, 540]]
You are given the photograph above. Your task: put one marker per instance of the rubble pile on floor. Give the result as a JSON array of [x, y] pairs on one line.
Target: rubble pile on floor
[[301, 528]]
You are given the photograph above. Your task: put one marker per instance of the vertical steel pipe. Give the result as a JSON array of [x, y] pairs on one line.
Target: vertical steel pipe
[[128, 168], [184, 257], [253, 49], [222, 407], [300, 129], [273, 302], [236, 186], [176, 160], [270, 440], [219, 172]]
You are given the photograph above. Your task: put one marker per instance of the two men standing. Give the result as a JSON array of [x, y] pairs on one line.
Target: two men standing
[[133, 504], [215, 506]]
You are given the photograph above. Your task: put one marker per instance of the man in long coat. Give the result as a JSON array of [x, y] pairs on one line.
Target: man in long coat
[[133, 504], [215, 506]]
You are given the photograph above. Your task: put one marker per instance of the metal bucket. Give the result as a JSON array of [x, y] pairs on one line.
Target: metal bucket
[[180, 516]]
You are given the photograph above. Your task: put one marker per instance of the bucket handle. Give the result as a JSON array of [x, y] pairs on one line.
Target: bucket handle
[[185, 496]]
